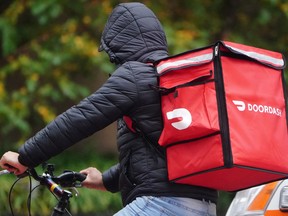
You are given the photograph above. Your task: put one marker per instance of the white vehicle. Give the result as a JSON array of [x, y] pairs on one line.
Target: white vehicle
[[265, 200]]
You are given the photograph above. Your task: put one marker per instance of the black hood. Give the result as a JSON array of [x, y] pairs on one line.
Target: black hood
[[133, 33]]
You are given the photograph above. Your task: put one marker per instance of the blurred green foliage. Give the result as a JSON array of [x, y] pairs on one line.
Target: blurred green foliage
[[48, 49]]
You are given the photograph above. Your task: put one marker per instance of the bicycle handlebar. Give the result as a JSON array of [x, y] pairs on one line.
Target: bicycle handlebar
[[66, 179], [55, 184]]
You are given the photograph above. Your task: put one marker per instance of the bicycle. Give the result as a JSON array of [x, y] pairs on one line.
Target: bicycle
[[56, 185]]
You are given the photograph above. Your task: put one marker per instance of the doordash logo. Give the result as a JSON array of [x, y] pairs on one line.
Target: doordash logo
[[258, 108], [183, 114]]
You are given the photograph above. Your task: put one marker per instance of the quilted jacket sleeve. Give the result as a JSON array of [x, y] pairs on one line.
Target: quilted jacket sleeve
[[92, 114], [111, 178]]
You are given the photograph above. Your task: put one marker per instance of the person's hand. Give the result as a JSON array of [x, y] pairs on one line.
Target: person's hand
[[93, 179], [9, 161]]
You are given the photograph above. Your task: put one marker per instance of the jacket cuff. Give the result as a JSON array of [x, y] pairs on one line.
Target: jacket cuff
[[22, 161], [111, 179]]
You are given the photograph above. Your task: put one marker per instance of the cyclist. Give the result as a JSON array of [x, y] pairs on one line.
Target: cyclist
[[133, 38]]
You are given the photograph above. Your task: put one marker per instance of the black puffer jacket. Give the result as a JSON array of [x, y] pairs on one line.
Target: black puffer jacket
[[133, 38]]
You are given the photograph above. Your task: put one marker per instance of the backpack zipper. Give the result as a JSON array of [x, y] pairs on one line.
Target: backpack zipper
[[222, 110]]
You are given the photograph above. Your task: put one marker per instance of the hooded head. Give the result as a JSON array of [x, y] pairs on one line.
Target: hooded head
[[133, 33]]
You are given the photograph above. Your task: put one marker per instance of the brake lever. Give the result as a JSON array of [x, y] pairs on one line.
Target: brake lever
[[75, 191]]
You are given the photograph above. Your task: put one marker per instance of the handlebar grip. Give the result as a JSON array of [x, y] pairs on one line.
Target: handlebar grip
[[80, 177], [3, 172], [69, 179]]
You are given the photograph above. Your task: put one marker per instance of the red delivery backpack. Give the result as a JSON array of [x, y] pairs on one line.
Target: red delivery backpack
[[225, 116]]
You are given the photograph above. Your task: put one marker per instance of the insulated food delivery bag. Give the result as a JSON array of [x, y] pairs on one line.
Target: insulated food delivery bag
[[225, 116]]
